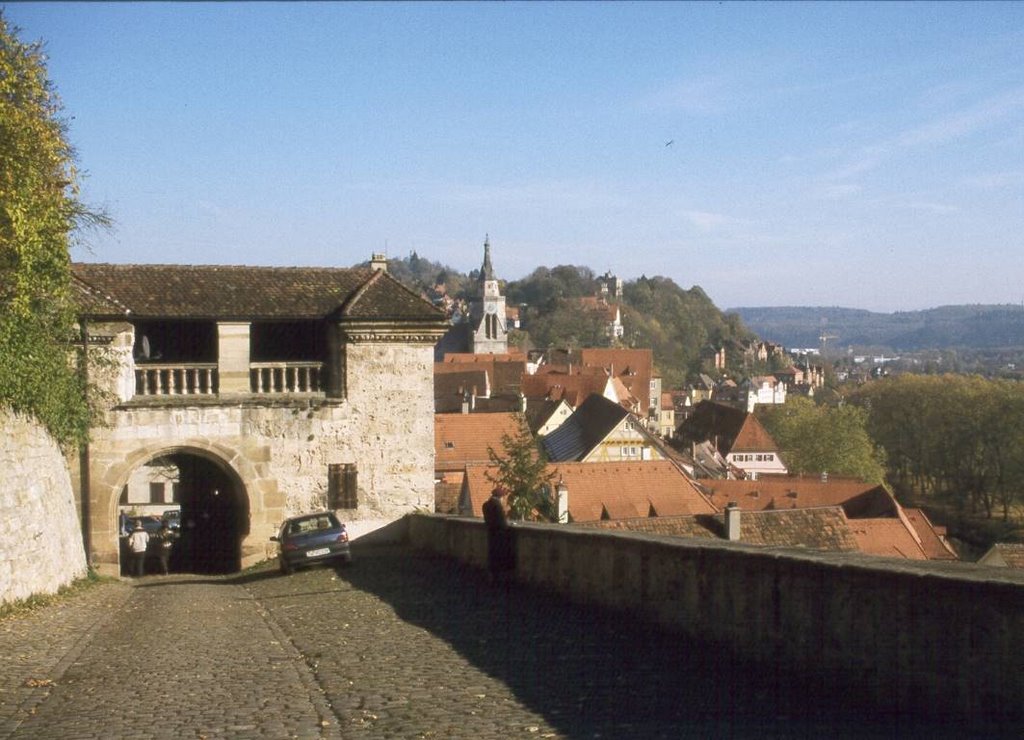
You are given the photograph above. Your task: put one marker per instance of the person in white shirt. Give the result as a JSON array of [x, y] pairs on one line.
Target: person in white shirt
[[138, 542]]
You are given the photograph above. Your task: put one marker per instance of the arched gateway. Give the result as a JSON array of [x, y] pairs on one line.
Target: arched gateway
[[260, 393]]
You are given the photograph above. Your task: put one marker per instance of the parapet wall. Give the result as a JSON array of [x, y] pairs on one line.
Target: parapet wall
[[920, 638], [40, 535]]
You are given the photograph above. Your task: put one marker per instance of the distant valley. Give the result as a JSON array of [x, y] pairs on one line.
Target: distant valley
[[974, 327]]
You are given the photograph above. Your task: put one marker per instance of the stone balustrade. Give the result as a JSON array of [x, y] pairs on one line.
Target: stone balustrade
[[285, 377], [198, 378]]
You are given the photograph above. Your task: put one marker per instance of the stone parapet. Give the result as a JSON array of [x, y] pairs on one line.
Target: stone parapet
[[906, 636]]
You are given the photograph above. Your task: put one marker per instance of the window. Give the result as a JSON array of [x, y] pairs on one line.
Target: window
[[342, 488], [156, 493]]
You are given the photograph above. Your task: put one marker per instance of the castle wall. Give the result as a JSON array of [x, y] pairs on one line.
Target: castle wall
[[40, 537]]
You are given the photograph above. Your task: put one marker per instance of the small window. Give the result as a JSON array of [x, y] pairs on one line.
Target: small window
[[156, 492], [449, 445]]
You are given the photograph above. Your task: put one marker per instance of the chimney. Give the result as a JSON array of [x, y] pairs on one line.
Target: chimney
[[562, 501], [522, 402], [732, 522], [824, 476], [472, 400], [465, 403], [379, 261]]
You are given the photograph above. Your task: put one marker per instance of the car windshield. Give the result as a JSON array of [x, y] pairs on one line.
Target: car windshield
[[312, 524]]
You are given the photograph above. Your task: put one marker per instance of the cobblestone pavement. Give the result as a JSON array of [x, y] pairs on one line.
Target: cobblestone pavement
[[399, 645]]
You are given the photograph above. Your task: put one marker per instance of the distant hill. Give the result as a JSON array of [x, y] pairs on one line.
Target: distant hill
[[946, 327], [677, 324]]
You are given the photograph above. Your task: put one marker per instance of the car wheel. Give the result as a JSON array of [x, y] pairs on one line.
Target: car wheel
[[285, 568], [345, 560]]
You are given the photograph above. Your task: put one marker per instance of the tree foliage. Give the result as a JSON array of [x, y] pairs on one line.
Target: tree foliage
[[39, 213], [953, 436], [522, 473], [824, 439]]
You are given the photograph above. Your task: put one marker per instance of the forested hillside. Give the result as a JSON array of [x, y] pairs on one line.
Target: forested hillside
[[947, 327], [675, 323]]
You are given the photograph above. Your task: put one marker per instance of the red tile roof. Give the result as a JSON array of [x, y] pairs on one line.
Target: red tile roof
[[793, 492], [463, 439], [617, 490], [933, 544], [887, 537]]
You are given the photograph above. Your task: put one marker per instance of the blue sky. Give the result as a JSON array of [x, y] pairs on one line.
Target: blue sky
[[863, 155]]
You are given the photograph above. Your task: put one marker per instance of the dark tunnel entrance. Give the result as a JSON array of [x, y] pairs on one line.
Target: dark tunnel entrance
[[204, 508]]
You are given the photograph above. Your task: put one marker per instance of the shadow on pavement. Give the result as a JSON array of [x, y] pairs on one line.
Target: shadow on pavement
[[593, 673]]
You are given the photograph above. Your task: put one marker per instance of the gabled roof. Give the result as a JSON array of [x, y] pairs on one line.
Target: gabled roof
[[463, 439], [858, 499], [220, 292], [588, 426], [634, 367], [1004, 555], [753, 437]]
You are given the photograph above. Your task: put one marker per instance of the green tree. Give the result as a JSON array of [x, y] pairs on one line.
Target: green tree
[[816, 438], [522, 472], [40, 212]]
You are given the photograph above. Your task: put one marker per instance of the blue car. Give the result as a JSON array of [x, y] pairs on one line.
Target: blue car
[[310, 539]]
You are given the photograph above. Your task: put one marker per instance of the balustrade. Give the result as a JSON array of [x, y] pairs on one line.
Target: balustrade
[[176, 380], [285, 377]]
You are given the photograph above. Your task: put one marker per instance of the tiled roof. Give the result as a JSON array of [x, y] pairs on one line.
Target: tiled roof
[[1005, 554], [753, 437], [618, 490], [887, 537], [589, 424], [634, 367], [450, 388], [858, 499], [934, 546], [712, 420], [463, 439], [247, 293], [504, 371], [573, 388], [823, 529]]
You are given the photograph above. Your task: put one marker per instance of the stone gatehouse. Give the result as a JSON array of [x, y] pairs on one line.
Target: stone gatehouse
[[265, 391]]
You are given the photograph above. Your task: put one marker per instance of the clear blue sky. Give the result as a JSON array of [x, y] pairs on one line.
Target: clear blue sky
[[864, 155]]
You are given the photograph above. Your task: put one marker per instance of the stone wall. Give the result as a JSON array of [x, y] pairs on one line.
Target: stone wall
[[40, 537], [907, 636]]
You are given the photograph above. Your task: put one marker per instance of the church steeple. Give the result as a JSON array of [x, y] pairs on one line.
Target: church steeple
[[486, 270]]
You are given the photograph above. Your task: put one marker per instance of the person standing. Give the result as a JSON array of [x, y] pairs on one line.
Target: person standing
[[499, 536], [165, 545], [138, 543]]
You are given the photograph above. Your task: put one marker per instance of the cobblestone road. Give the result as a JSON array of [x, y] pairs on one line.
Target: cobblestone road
[[399, 645]]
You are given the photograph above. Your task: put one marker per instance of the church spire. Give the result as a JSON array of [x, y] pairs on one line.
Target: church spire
[[487, 271]]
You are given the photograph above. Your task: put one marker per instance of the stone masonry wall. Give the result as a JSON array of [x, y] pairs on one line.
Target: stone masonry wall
[[279, 450], [40, 536], [908, 636]]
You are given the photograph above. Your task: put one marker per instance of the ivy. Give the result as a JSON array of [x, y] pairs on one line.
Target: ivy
[[40, 212]]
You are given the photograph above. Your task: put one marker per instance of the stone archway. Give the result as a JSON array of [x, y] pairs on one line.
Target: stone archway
[[212, 493]]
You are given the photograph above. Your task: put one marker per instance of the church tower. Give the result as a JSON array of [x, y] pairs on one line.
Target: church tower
[[488, 323]]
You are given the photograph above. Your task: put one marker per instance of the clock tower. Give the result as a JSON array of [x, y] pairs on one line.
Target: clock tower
[[488, 323]]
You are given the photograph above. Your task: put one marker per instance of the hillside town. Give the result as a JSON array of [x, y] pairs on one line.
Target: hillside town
[[624, 453]]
